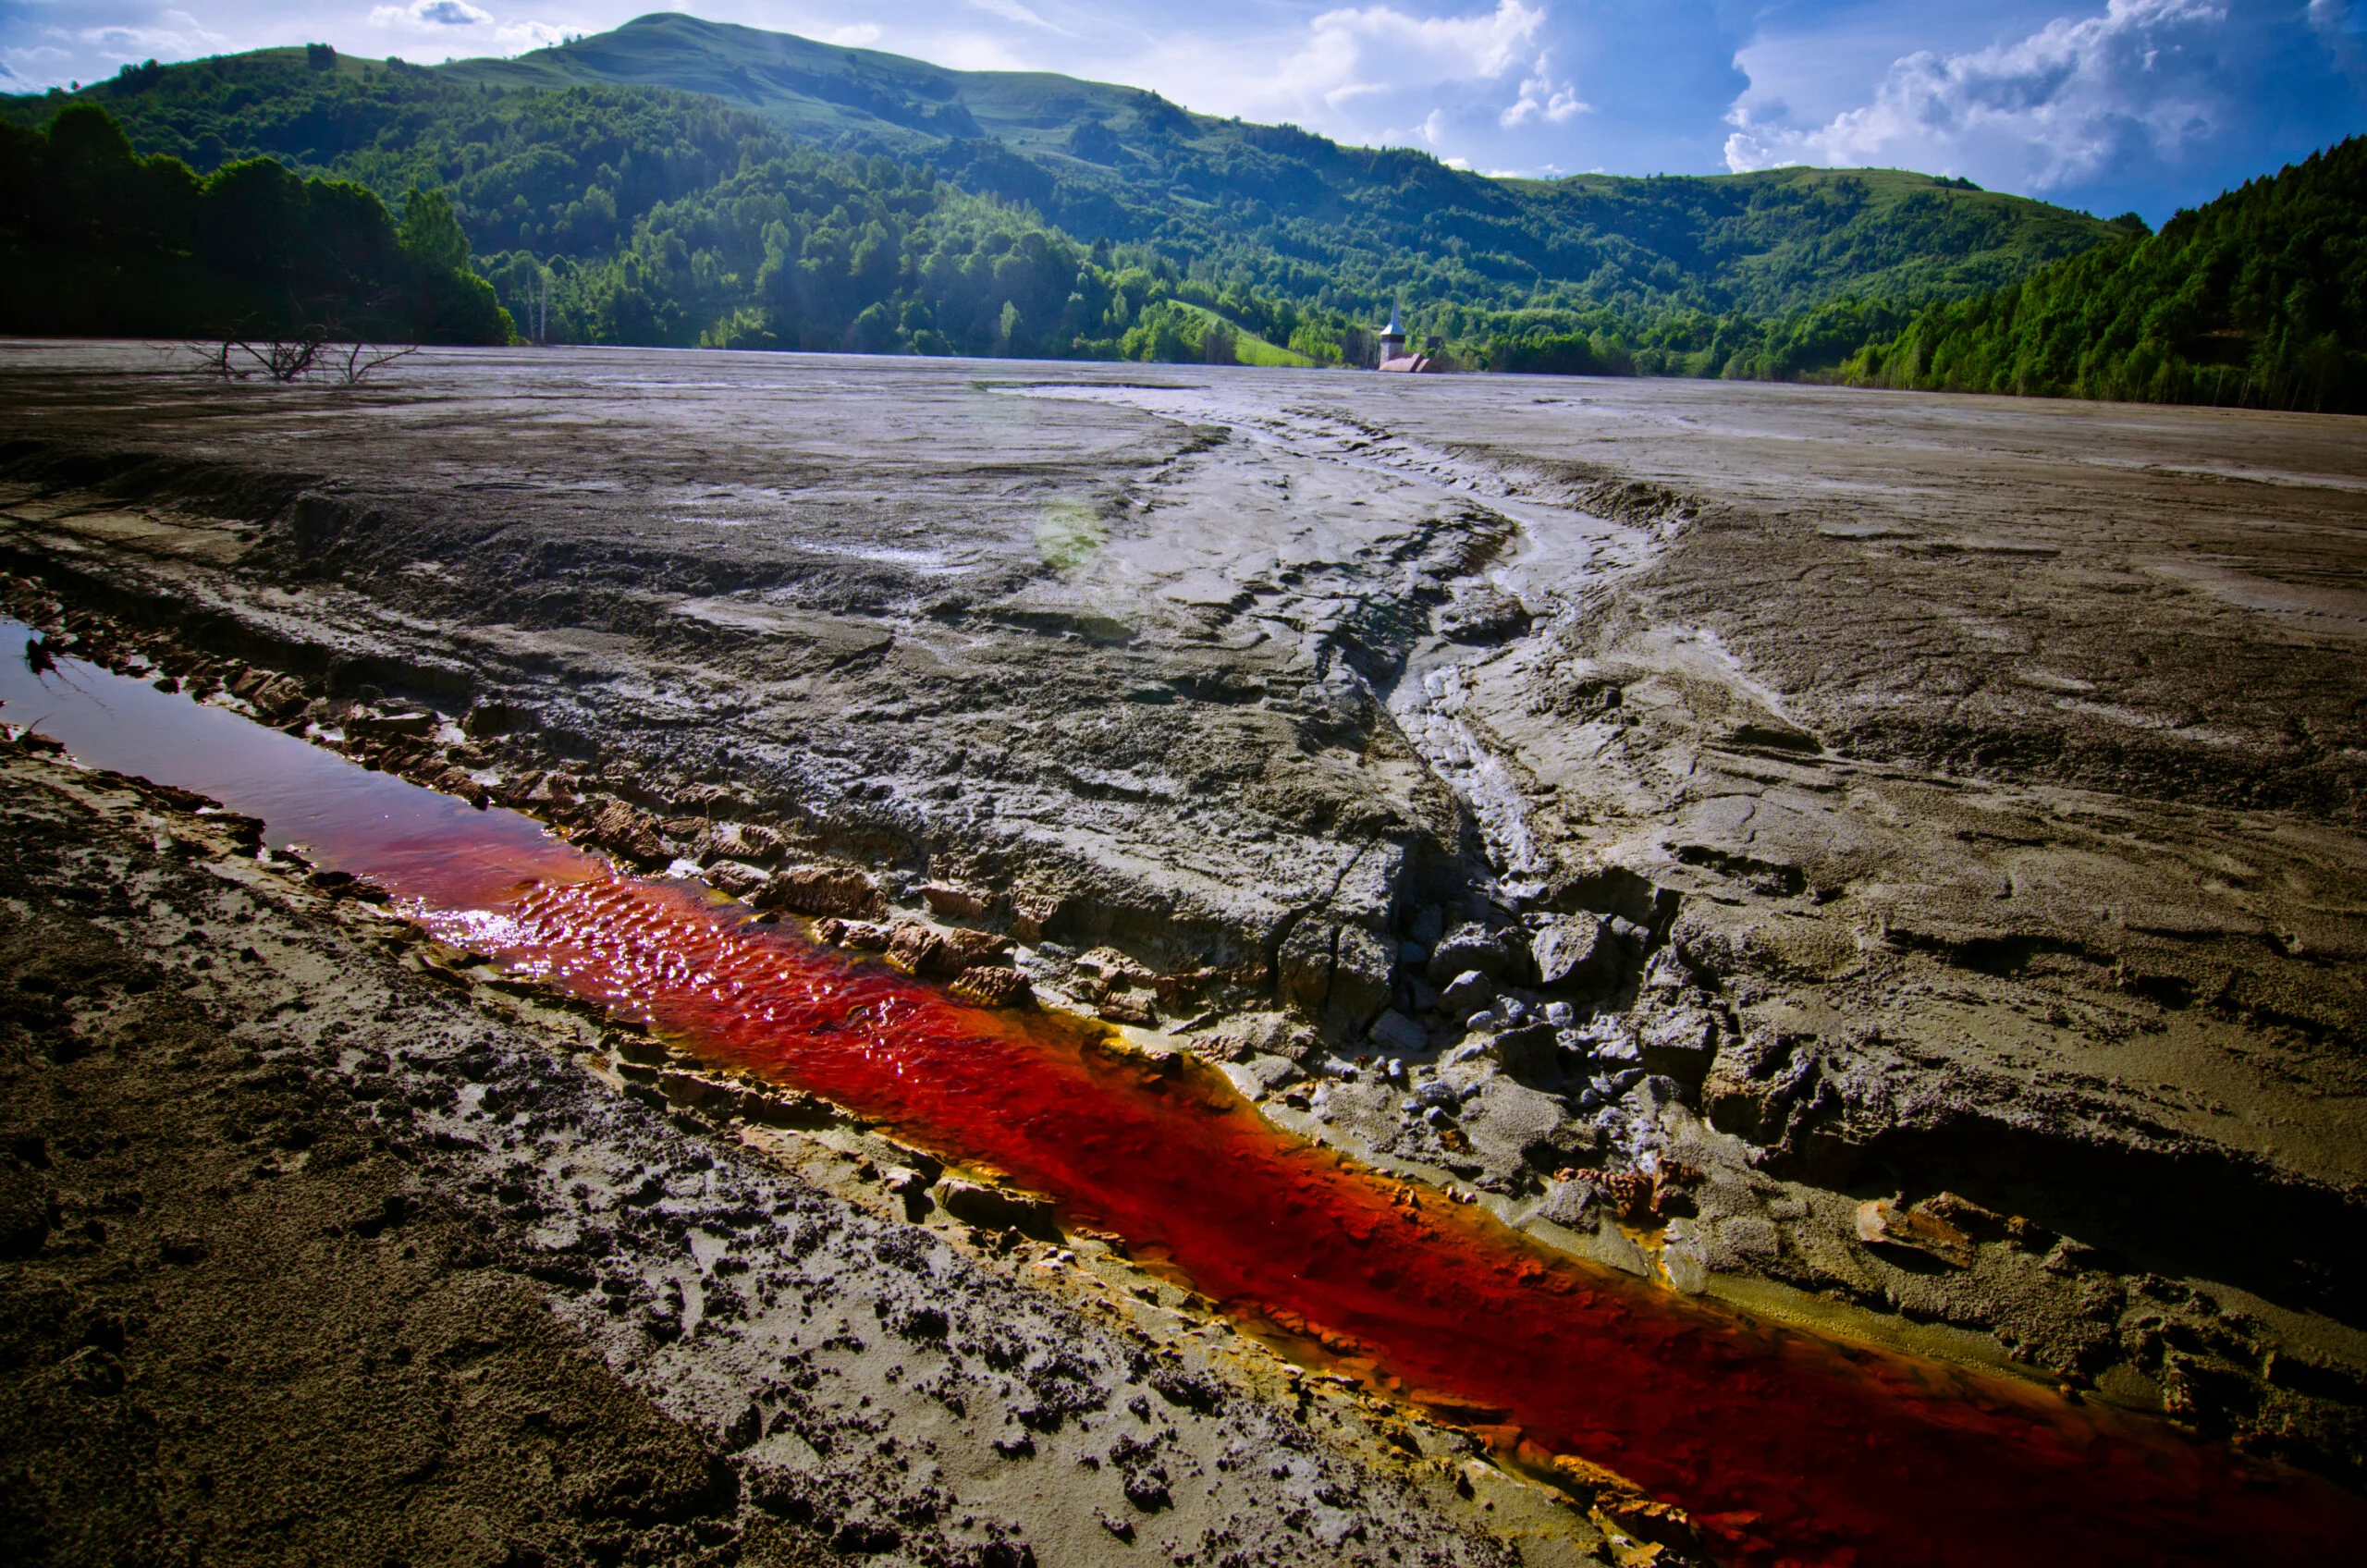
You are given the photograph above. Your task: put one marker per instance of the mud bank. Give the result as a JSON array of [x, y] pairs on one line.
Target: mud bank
[[1681, 815], [323, 1251]]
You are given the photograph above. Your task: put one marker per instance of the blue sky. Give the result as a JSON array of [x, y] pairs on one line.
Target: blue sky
[[2107, 104]]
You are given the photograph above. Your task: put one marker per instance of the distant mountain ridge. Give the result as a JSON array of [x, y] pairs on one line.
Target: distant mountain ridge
[[1122, 162], [1267, 207]]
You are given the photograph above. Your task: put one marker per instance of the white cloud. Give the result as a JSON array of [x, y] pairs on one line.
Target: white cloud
[[2061, 106], [856, 36], [185, 35], [1012, 11], [431, 14], [1358, 53], [446, 18], [1543, 98]]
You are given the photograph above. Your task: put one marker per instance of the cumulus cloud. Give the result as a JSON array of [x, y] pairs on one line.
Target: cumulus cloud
[[431, 14], [470, 24], [2064, 105], [1362, 52], [856, 36], [1543, 98]]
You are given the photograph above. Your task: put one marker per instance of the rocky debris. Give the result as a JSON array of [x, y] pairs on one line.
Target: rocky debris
[[1637, 1197], [275, 696], [1625, 1507], [950, 902], [836, 890], [627, 833], [1882, 1222], [413, 725], [997, 1209], [736, 877], [1396, 1033], [861, 934], [1531, 1051], [1511, 1127], [1468, 993], [746, 842], [1569, 1202], [1578, 953], [1032, 911], [991, 986], [1492, 952], [1679, 1045], [942, 953]]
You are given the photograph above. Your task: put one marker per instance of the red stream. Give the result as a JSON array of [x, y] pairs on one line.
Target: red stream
[[1786, 1447]]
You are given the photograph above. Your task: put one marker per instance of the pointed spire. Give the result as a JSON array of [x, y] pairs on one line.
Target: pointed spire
[[1395, 304]]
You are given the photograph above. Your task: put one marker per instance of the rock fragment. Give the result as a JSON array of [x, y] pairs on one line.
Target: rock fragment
[[823, 889], [951, 902], [1578, 952], [1032, 912], [861, 934], [390, 726], [1680, 1045], [1882, 1222], [991, 987], [736, 877], [997, 1209], [1500, 953], [1466, 994], [618, 827]]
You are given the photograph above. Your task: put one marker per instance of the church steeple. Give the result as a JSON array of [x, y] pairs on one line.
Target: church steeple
[[1392, 336]]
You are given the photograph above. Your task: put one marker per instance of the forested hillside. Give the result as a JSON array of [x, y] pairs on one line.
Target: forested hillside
[[2258, 300], [806, 196], [96, 239], [684, 182]]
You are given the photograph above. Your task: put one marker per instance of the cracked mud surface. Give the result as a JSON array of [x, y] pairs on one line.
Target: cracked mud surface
[[1809, 797]]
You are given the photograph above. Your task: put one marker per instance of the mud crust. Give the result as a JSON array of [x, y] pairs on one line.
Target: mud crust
[[1946, 847]]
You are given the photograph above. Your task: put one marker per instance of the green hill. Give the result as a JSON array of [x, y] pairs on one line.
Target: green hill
[[1100, 160], [625, 172], [2257, 299]]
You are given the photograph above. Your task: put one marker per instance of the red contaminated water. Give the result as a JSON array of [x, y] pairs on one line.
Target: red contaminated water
[[1786, 1447]]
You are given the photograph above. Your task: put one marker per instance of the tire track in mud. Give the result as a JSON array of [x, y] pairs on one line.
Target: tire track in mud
[[1558, 560]]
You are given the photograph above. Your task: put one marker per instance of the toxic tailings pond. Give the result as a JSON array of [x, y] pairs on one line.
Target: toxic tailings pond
[[1783, 1446]]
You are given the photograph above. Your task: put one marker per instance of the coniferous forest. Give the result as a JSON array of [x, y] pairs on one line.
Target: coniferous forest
[[814, 197]]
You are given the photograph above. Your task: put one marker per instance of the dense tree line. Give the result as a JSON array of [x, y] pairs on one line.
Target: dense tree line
[[603, 212], [639, 214], [2258, 300], [97, 240]]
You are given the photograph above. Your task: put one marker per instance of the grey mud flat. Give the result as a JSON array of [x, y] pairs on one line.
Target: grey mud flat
[[1894, 862]]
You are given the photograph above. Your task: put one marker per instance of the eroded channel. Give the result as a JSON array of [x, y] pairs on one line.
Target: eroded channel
[[1784, 1446]]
